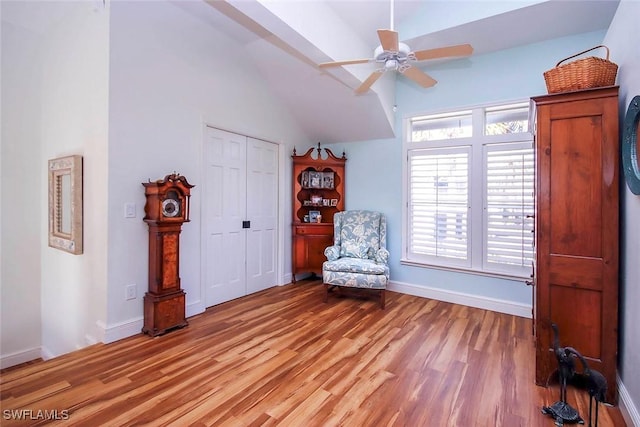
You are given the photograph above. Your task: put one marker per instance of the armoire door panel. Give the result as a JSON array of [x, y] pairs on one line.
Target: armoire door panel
[[576, 187], [579, 328], [576, 272]]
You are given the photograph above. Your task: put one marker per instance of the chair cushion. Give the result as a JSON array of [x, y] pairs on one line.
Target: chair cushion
[[354, 249], [363, 229], [355, 280], [355, 265]]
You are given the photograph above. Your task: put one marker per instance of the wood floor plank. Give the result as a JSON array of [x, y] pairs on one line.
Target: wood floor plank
[[282, 357]]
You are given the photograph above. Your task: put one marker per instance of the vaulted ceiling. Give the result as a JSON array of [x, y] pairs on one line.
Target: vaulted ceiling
[[287, 39]]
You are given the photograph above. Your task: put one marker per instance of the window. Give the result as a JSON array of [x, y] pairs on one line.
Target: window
[[469, 190], [438, 180]]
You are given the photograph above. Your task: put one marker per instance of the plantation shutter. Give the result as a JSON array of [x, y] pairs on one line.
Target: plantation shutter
[[438, 205], [509, 207]]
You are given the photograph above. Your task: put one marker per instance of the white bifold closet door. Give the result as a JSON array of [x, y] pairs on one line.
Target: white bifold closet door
[[240, 215]]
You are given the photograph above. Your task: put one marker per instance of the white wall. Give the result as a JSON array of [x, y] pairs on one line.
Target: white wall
[[21, 195], [623, 41], [374, 168], [54, 104], [74, 104], [171, 73]]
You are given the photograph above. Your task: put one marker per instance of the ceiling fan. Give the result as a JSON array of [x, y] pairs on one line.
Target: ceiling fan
[[397, 56]]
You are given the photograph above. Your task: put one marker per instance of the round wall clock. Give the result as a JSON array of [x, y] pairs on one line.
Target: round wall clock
[[630, 144]]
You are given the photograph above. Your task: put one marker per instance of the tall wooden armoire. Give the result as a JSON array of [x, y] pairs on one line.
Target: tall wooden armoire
[[576, 269]]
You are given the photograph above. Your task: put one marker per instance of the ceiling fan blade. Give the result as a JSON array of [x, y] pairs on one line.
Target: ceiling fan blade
[[418, 76], [444, 52], [370, 80], [340, 63], [388, 40]]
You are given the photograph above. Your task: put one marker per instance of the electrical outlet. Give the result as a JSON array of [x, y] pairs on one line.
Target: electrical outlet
[[131, 291]]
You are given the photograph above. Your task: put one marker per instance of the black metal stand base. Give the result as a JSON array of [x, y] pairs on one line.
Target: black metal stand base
[[563, 413]]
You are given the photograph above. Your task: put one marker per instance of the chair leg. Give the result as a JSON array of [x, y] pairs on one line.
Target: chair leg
[[382, 297], [326, 292]]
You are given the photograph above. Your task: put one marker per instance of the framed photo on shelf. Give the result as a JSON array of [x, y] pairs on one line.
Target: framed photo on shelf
[[316, 200], [305, 179], [313, 216], [334, 202], [315, 179], [327, 180]]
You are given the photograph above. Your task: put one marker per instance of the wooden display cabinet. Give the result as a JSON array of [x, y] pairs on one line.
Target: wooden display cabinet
[[576, 271], [318, 190]]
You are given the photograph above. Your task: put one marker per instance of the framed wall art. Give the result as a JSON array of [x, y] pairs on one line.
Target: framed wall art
[[631, 145], [65, 204]]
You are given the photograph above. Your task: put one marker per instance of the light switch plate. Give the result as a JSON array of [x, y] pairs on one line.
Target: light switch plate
[[129, 210]]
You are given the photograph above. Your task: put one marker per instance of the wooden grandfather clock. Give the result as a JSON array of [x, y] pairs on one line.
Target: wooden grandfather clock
[[167, 208]]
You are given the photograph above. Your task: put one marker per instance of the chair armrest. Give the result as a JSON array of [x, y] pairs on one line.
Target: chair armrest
[[382, 256], [332, 252]]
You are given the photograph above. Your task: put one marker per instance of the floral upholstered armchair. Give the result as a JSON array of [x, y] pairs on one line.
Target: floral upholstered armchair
[[358, 257]]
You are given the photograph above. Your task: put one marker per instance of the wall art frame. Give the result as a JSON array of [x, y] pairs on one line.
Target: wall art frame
[[630, 144], [65, 204]]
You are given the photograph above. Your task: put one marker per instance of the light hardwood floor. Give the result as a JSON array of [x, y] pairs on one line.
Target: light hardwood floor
[[282, 357]]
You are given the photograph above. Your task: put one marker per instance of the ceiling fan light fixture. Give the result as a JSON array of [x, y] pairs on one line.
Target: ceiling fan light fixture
[[392, 54]]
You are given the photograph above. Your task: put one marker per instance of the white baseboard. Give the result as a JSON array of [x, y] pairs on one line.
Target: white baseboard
[[46, 354], [194, 308], [627, 407], [493, 304], [134, 326], [121, 330], [13, 359]]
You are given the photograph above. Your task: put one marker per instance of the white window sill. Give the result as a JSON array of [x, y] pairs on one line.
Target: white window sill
[[498, 275]]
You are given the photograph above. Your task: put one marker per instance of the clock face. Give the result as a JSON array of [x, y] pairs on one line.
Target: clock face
[[170, 208]]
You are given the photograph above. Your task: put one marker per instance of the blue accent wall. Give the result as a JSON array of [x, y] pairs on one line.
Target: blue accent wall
[[374, 168]]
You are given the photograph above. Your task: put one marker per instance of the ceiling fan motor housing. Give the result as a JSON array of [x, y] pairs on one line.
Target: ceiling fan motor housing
[[392, 59]]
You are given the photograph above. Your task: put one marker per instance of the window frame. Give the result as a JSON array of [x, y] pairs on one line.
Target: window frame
[[477, 189]]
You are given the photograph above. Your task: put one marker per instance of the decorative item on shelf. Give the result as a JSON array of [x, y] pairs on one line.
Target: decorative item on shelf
[[315, 179], [65, 204], [583, 73], [327, 180], [316, 200], [313, 216], [334, 202]]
